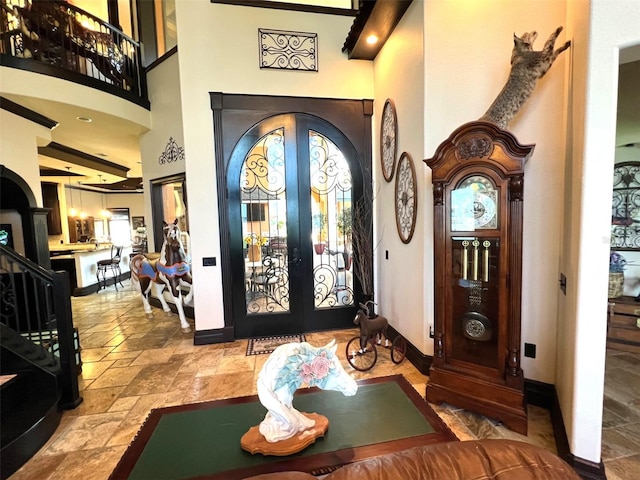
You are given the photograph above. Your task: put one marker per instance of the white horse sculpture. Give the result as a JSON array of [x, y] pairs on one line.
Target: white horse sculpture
[[288, 367], [171, 270]]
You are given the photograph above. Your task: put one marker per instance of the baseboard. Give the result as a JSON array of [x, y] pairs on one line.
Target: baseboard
[[88, 290], [544, 395], [216, 335], [419, 360], [539, 394]]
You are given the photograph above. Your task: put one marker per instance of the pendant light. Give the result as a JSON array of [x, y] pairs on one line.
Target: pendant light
[[83, 214], [104, 212], [72, 211]]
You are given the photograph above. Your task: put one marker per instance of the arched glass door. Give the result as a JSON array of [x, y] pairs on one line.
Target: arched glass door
[[331, 191], [291, 186], [263, 197]]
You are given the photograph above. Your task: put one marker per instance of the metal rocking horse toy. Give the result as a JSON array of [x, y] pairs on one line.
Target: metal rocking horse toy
[[171, 270], [361, 351]]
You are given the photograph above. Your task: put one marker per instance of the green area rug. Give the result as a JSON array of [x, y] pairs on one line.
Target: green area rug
[[203, 440]]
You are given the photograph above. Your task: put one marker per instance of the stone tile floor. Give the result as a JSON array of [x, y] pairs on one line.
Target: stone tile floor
[[621, 416], [132, 364]]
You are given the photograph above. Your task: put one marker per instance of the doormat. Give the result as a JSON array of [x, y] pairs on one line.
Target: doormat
[[258, 346], [202, 440]]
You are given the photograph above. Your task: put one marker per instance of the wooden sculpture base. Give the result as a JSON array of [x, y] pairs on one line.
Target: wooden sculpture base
[[254, 442]]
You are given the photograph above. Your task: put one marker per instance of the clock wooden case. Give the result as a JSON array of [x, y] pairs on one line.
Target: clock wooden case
[[478, 179]]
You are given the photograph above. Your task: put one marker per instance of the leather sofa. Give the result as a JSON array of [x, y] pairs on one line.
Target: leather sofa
[[469, 460]]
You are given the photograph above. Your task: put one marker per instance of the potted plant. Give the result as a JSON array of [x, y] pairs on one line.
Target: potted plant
[[319, 225], [362, 243], [617, 264], [254, 244]]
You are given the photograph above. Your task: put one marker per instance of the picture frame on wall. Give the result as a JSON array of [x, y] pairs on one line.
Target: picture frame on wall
[[137, 222]]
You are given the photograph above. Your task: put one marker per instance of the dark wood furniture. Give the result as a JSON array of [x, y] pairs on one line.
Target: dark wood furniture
[[478, 178], [313, 462], [623, 324], [81, 229], [50, 200]]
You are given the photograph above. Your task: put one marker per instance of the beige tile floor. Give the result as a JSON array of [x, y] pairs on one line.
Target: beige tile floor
[[132, 364], [621, 416]]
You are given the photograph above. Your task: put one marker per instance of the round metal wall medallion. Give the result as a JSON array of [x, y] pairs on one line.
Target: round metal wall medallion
[[388, 139]]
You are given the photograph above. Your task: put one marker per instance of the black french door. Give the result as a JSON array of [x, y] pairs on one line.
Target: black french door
[[292, 180]]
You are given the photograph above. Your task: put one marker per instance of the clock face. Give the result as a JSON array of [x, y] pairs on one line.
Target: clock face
[[388, 139], [474, 205], [406, 198], [484, 210]]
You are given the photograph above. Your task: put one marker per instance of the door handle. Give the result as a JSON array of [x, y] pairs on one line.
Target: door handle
[[295, 257]]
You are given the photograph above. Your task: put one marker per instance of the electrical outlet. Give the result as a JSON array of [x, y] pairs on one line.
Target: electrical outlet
[[563, 283], [530, 350]]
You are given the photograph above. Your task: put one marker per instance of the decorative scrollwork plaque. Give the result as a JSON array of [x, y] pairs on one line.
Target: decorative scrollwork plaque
[[172, 152], [284, 50]]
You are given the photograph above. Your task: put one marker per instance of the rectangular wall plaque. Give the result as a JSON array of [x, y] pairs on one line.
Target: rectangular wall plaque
[[282, 50]]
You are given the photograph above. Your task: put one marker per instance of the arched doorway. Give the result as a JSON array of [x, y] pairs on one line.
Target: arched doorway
[[290, 180], [27, 222]]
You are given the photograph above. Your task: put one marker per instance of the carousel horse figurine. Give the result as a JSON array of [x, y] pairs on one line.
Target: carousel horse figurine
[[289, 366], [171, 270]]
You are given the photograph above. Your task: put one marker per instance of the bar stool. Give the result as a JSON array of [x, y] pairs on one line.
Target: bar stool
[[112, 264]]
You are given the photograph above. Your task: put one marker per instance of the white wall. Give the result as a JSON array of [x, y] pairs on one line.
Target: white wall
[[14, 81], [163, 83], [19, 142], [598, 33], [226, 38], [133, 201], [466, 66], [404, 295]]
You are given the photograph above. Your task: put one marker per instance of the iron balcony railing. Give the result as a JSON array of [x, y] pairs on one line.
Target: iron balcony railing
[[36, 320], [59, 39]]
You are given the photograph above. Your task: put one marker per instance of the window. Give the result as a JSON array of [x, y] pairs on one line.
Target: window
[[256, 212], [120, 226]]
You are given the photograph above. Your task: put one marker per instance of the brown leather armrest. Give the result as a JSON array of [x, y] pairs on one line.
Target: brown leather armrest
[[471, 460], [283, 476]]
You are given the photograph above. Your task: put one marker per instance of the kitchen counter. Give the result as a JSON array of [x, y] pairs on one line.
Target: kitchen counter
[[70, 248], [80, 260]]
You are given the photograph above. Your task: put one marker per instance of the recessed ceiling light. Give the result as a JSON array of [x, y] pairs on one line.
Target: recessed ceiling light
[[372, 39], [84, 119]]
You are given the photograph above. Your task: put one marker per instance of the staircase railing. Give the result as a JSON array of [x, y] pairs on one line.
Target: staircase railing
[[56, 37], [36, 303]]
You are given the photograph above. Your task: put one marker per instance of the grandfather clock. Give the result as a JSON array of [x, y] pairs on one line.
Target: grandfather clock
[[478, 179]]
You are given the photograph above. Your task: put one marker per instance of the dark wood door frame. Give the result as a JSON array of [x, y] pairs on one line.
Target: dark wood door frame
[[238, 113]]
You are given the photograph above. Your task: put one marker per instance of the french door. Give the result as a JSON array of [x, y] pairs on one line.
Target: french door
[[292, 180]]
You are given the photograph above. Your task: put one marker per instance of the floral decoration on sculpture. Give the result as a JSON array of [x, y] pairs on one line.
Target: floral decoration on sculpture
[[305, 366]]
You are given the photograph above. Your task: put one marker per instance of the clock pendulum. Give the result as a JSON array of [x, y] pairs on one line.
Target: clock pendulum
[[476, 326]]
